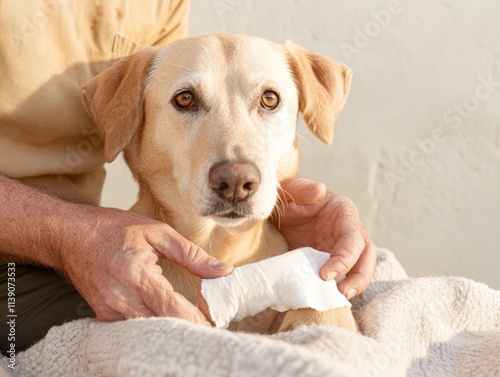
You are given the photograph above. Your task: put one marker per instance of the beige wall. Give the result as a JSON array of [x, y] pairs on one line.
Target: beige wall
[[417, 147]]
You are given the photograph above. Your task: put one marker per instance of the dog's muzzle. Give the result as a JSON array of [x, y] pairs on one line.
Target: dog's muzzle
[[234, 183]]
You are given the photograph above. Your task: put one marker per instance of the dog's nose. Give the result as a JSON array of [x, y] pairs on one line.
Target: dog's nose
[[234, 181]]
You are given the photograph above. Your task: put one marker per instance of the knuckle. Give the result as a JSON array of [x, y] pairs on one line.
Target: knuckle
[[362, 284], [360, 243], [346, 261], [114, 303], [372, 252], [106, 316], [348, 204], [349, 256], [354, 244], [171, 306], [193, 254]]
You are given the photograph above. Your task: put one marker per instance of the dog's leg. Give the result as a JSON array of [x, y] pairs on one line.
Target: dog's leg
[[339, 317]]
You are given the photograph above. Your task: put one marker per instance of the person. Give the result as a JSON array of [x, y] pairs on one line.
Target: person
[[63, 256]]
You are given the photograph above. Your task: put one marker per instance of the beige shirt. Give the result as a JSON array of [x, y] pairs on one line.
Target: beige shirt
[[48, 49]]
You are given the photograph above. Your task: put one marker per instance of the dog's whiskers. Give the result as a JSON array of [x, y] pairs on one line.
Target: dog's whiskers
[[276, 215], [287, 194], [280, 207], [307, 141]]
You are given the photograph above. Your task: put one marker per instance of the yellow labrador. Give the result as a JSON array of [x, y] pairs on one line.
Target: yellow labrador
[[208, 126]]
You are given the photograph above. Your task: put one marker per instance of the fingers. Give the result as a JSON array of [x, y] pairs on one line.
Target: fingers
[[355, 256], [163, 301], [177, 249], [344, 255], [184, 309], [152, 297], [141, 311], [352, 239], [117, 307], [359, 277], [302, 191]]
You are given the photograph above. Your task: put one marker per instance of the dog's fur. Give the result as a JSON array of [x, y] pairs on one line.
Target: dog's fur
[[171, 151]]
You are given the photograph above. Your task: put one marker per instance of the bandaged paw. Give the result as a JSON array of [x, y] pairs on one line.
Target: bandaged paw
[[287, 281]]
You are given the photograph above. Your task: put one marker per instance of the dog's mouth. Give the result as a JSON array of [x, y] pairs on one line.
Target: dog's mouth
[[230, 212], [230, 215]]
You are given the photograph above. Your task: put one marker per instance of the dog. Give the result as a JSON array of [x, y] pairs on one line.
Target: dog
[[208, 128]]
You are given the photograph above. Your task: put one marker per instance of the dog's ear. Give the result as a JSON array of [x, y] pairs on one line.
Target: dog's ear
[[323, 85], [114, 100]]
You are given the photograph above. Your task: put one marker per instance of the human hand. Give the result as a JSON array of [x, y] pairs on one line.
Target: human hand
[[110, 256], [309, 216]]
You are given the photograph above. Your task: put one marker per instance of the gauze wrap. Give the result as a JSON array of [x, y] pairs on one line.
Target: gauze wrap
[[287, 281]]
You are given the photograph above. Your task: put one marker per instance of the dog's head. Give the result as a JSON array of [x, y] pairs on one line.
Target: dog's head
[[210, 121]]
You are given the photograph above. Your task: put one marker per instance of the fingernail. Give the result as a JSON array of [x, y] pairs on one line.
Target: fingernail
[[351, 293], [308, 183], [304, 181], [215, 264], [331, 275]]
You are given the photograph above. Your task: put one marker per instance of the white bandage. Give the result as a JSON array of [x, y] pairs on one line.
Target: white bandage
[[287, 281]]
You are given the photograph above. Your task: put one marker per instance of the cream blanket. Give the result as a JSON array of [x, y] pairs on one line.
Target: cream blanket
[[437, 326]]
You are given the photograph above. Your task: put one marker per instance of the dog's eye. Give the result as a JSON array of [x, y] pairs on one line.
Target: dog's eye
[[269, 100], [184, 99]]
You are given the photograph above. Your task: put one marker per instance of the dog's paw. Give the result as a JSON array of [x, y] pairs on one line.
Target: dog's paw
[[291, 319]]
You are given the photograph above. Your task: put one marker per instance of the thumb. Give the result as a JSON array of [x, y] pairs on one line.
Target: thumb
[[302, 191], [175, 248]]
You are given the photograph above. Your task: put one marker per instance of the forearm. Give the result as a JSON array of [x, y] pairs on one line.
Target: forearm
[[31, 224]]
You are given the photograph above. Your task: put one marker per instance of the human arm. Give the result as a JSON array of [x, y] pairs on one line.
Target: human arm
[[109, 255], [310, 216]]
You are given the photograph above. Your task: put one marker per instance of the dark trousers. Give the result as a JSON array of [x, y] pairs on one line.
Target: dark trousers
[[43, 299]]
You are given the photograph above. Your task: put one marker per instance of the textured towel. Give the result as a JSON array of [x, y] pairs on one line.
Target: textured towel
[[439, 326]]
